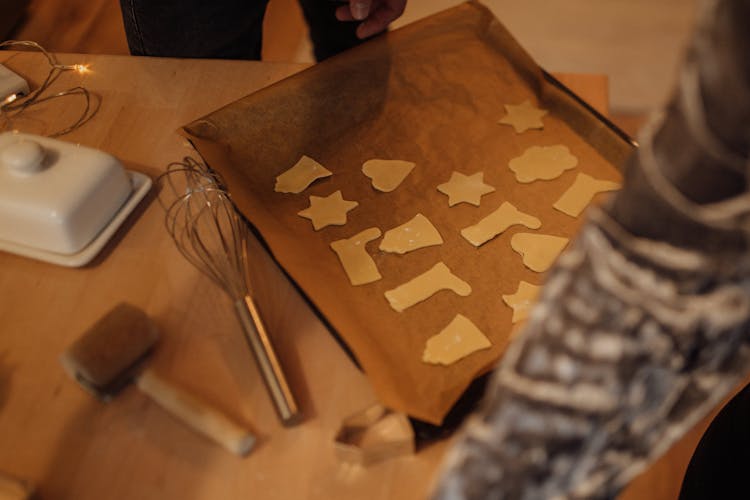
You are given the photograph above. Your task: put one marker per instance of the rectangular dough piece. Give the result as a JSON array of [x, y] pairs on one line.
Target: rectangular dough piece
[[358, 265]]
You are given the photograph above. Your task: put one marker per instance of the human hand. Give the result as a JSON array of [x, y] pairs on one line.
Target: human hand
[[375, 15]]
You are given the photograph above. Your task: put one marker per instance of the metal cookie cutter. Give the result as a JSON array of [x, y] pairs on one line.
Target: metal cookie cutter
[[373, 435]]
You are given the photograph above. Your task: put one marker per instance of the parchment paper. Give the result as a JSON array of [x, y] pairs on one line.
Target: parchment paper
[[430, 93]]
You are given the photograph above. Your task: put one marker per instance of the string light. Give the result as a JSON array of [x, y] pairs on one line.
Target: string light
[[14, 105], [9, 100], [81, 69]]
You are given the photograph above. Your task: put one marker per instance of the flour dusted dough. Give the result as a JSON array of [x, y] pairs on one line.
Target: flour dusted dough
[[542, 163], [522, 300], [417, 233], [497, 222], [465, 188], [579, 195], [387, 175], [424, 286], [523, 117], [456, 341], [328, 211], [300, 176], [539, 251], [357, 263]]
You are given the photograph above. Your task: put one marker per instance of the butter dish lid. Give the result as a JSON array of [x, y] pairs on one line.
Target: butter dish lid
[[56, 196]]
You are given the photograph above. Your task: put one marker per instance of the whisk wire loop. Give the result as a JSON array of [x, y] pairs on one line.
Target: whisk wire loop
[[211, 234]]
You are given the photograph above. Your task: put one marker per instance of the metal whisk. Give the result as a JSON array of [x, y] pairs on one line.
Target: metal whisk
[[212, 235]]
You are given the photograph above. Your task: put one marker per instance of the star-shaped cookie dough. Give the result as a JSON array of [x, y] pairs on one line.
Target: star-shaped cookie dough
[[523, 117], [328, 211], [465, 188]]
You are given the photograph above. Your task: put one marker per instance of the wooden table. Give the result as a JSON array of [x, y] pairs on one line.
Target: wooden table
[[72, 446]]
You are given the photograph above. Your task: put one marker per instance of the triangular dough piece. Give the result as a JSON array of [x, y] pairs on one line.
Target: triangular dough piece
[[300, 176], [417, 233], [456, 341]]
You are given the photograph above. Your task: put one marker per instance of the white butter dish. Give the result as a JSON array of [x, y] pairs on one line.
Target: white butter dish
[[58, 200]]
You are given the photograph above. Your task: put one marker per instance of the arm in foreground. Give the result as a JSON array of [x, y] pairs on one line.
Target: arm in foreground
[[643, 326]]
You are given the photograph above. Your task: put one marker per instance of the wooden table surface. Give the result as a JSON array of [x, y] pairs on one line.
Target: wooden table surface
[[73, 446]]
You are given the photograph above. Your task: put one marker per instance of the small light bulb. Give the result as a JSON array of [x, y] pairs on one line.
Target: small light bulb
[[9, 100], [81, 68]]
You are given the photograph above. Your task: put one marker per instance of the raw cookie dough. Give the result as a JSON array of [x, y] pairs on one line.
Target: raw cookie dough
[[522, 300], [328, 211], [581, 192], [417, 233], [497, 222], [542, 163], [358, 265], [539, 251], [300, 176], [424, 286], [523, 117], [387, 175], [456, 341], [465, 188]]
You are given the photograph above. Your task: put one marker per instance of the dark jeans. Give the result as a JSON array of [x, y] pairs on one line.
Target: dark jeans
[[720, 466], [223, 29]]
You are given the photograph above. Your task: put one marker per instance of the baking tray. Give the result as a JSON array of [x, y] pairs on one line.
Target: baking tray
[[432, 93]]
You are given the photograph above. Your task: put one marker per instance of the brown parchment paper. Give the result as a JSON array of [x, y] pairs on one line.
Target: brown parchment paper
[[430, 93]]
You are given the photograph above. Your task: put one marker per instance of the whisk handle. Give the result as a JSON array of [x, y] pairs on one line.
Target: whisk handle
[[268, 363]]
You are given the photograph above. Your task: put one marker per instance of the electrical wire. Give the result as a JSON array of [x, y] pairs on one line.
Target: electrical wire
[[14, 105]]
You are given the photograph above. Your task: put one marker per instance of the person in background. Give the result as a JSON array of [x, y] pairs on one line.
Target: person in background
[[232, 29]]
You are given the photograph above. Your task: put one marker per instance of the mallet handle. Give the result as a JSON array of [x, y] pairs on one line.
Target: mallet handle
[[197, 413]]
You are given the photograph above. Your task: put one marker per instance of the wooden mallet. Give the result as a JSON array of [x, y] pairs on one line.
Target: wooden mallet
[[113, 352]]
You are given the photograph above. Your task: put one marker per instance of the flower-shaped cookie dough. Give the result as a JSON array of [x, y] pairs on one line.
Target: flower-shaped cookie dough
[[542, 163], [465, 188], [328, 211], [523, 117]]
